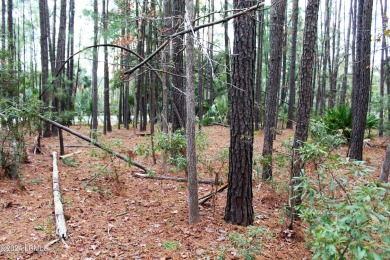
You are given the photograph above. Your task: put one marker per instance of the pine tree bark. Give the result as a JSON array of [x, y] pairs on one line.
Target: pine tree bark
[[384, 176], [94, 72], [193, 214], [305, 100], [43, 14], [3, 24], [276, 35], [107, 115], [178, 90], [343, 94], [325, 58], [291, 101], [70, 73], [383, 67], [258, 106], [239, 208], [227, 60], [361, 89]]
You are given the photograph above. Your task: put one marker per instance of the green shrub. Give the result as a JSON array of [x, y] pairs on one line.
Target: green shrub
[[348, 213], [372, 122], [338, 119], [174, 146], [217, 112]]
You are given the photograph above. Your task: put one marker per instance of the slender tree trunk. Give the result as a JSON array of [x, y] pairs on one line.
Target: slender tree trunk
[[383, 73], [52, 41], [239, 208], [326, 55], [283, 92], [291, 101], [259, 72], [384, 177], [193, 206], [3, 24], [11, 41], [346, 62], [43, 14], [107, 114], [360, 91], [165, 77], [211, 53], [305, 101], [178, 89], [276, 35], [94, 73], [70, 73], [227, 61]]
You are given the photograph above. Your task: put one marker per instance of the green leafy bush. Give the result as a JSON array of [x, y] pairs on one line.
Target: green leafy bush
[[248, 244], [348, 212], [319, 134]]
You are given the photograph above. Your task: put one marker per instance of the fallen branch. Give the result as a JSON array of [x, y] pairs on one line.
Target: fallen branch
[[46, 247], [166, 178], [69, 155], [58, 209], [204, 199], [78, 146], [86, 138]]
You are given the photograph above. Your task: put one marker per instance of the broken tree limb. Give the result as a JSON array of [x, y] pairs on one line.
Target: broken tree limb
[[58, 209], [69, 154], [159, 177], [204, 199], [86, 138]]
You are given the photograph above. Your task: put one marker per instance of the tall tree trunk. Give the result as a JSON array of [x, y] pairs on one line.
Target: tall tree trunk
[[346, 57], [52, 40], [326, 55], [383, 73], [305, 101], [70, 73], [227, 61], [165, 77], [291, 101], [211, 53], [239, 208], [361, 89], [43, 14], [283, 92], [258, 105], [58, 104], [276, 35], [334, 66], [3, 24], [193, 207], [178, 89], [94, 72], [11, 42], [107, 114]]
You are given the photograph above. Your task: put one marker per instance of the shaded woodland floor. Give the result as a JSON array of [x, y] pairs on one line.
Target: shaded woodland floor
[[112, 214]]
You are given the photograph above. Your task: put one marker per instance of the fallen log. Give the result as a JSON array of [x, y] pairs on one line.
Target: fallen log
[[58, 209], [167, 178], [69, 154], [204, 199], [86, 138]]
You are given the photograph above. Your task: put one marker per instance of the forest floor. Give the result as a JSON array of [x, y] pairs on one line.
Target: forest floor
[[112, 214]]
